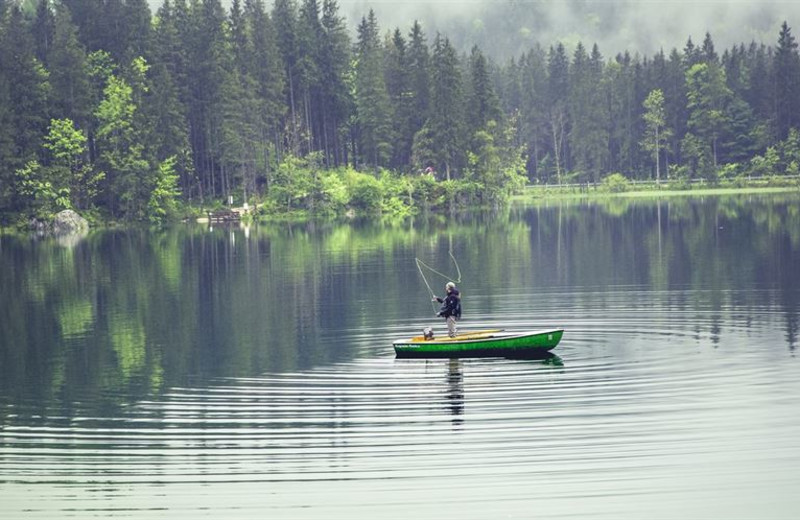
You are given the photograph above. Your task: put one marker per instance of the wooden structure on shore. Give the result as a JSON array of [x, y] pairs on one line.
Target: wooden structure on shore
[[223, 216]]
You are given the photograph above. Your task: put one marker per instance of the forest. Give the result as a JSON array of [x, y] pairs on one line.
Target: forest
[[129, 115]]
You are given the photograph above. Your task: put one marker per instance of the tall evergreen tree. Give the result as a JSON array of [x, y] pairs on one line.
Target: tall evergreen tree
[[446, 122], [675, 103], [419, 78], [337, 102], [241, 137], [309, 39], [691, 54], [43, 30], [167, 103], [535, 116], [69, 73], [399, 89], [373, 111], [265, 68], [588, 137], [707, 52], [284, 15], [786, 70], [24, 91], [484, 106], [597, 137], [557, 103], [206, 55], [708, 97]]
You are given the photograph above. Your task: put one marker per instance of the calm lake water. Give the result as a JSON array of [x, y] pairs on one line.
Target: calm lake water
[[249, 373]]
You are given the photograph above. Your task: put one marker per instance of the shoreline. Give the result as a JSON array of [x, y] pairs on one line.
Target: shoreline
[[552, 193]]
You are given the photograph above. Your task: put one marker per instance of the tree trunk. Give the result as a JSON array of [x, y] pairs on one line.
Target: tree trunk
[[658, 149]]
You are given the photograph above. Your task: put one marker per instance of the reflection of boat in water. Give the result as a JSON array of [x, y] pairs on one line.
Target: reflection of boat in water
[[482, 343]]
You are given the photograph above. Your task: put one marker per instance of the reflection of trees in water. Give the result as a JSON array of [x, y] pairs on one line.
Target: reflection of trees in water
[[131, 312]]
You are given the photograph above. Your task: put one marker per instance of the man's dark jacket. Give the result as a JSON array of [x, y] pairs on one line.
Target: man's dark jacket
[[451, 305]]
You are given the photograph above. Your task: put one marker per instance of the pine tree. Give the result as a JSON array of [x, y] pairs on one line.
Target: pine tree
[[675, 103], [337, 102], [419, 72], [708, 97], [483, 102], [787, 83], [69, 73], [24, 89], [556, 100], [309, 41], [43, 30], [535, 116], [206, 55], [691, 54], [266, 69], [284, 15], [241, 138], [597, 136], [399, 89], [373, 114], [447, 107], [166, 105], [588, 137], [707, 52]]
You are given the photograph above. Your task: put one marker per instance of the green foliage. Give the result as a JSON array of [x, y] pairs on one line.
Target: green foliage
[[781, 159], [42, 198], [698, 155], [366, 192], [163, 199], [373, 111], [708, 96], [66, 144], [121, 151], [615, 183], [68, 164], [334, 197], [657, 134], [425, 190], [291, 182], [446, 120], [496, 166], [679, 177]]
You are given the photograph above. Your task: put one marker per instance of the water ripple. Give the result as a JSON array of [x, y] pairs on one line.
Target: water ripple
[[632, 413]]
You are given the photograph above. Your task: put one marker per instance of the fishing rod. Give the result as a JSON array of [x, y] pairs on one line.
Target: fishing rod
[[421, 264]]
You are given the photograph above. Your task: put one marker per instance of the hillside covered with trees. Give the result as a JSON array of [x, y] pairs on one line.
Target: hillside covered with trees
[[110, 109]]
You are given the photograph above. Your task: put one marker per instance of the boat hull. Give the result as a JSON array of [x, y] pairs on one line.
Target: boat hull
[[482, 344]]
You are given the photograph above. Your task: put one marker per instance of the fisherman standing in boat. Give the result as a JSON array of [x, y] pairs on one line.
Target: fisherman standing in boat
[[451, 307]]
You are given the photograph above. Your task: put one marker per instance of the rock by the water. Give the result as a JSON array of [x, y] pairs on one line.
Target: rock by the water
[[68, 222]]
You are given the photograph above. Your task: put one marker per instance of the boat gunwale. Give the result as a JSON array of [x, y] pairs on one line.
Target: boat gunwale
[[501, 336]]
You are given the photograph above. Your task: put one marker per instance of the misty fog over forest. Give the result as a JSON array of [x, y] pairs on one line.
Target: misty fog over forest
[[506, 28]]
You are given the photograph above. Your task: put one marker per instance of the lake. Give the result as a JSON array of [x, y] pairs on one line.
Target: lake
[[249, 372]]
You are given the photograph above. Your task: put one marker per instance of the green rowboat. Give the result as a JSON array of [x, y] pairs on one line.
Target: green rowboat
[[481, 343]]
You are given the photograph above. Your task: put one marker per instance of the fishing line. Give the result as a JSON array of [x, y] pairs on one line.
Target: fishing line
[[421, 264]]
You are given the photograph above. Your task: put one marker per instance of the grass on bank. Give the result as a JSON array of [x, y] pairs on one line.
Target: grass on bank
[[617, 186]]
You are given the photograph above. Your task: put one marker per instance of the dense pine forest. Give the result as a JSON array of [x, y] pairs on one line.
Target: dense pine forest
[[117, 112]]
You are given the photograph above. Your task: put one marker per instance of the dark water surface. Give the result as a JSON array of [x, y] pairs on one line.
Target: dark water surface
[[232, 373]]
